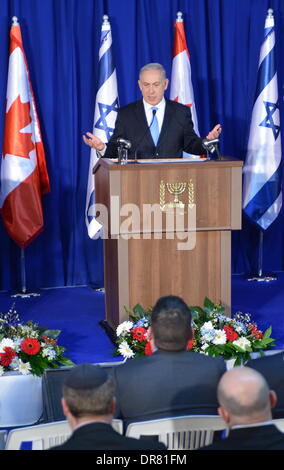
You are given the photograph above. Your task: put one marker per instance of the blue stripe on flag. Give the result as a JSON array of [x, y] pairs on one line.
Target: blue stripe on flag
[[266, 72], [261, 202], [91, 203], [267, 31], [106, 67]]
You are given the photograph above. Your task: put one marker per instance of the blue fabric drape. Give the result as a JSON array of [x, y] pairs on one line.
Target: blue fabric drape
[[61, 40]]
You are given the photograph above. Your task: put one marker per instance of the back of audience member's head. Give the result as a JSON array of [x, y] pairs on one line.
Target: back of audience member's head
[[171, 323], [89, 391], [244, 397]]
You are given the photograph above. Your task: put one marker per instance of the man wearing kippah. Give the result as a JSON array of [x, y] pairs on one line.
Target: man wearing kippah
[[88, 403]]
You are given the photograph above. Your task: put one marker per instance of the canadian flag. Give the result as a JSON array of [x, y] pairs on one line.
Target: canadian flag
[[24, 176], [181, 86]]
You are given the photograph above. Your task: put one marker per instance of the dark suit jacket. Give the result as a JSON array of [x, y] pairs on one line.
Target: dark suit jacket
[[101, 436], [253, 438], [272, 368], [167, 384], [177, 133]]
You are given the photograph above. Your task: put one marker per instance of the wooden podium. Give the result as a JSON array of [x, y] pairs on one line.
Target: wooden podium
[[144, 254]]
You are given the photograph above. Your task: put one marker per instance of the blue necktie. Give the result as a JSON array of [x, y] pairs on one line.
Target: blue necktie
[[154, 127]]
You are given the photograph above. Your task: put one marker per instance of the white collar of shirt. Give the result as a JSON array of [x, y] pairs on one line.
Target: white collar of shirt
[[160, 112]]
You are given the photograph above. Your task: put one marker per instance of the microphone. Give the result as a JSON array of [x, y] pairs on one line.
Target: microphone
[[210, 145], [124, 143]]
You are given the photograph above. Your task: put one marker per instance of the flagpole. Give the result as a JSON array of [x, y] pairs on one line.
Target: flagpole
[[24, 294], [23, 271], [261, 276]]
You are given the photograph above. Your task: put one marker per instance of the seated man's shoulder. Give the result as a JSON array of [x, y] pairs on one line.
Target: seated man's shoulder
[[132, 363], [207, 359]]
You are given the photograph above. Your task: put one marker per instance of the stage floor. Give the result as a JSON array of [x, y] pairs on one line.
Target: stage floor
[[78, 311]]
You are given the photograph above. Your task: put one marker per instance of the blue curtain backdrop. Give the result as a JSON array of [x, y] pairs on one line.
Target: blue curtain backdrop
[[61, 41]]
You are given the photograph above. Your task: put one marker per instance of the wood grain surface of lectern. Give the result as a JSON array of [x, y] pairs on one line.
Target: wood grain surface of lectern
[[167, 230]]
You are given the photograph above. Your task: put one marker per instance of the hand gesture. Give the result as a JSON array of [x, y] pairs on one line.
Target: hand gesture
[[214, 134], [93, 141]]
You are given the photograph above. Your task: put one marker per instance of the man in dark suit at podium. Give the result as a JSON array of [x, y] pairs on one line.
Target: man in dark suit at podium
[[173, 381], [156, 127]]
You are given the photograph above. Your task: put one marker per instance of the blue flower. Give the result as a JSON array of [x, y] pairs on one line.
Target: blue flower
[[141, 322]]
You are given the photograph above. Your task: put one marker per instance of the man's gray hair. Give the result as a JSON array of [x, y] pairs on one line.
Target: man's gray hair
[[153, 66]]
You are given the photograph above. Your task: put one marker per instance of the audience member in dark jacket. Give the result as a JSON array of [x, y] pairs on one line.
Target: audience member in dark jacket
[[172, 381], [88, 404], [245, 405]]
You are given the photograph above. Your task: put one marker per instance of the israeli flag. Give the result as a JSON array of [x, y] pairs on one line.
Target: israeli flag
[[262, 193], [104, 118]]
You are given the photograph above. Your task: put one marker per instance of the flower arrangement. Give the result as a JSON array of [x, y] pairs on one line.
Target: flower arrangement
[[215, 334], [28, 348]]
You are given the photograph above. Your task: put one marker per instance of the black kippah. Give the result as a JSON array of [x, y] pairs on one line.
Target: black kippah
[[86, 376]]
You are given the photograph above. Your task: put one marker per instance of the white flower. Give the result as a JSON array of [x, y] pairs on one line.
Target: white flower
[[242, 343], [207, 326], [6, 343], [15, 363], [24, 367], [49, 353], [203, 348], [125, 350], [124, 328], [220, 337], [17, 343], [1, 370]]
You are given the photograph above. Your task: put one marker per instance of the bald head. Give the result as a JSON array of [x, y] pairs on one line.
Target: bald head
[[244, 396]]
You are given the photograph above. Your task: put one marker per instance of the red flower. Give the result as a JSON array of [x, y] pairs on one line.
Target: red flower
[[7, 356], [230, 333], [48, 340], [139, 333], [148, 349], [255, 331], [190, 344], [30, 346]]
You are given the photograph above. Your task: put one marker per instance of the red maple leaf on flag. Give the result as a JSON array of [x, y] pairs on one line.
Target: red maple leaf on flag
[[16, 142]]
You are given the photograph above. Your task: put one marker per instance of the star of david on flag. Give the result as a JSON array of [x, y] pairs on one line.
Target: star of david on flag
[[104, 119], [262, 192]]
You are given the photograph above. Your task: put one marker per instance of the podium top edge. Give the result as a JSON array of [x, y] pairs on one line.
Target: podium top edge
[[225, 161]]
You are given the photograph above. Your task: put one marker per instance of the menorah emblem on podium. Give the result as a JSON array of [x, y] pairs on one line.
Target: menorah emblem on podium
[[176, 189]]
